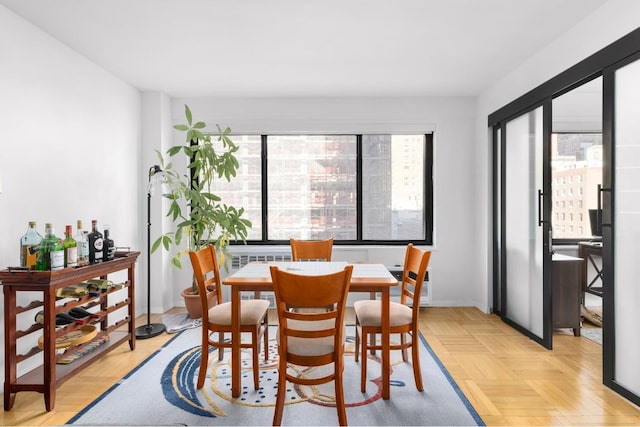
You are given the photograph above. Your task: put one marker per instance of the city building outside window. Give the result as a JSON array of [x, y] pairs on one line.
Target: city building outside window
[[306, 187], [576, 158]]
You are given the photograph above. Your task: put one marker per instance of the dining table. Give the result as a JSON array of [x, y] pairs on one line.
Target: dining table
[[372, 278]]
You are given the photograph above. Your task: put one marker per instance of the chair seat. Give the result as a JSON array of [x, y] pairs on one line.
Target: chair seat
[[310, 346], [251, 312], [369, 313]]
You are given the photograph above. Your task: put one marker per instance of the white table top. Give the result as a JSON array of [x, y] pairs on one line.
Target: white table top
[[360, 270]]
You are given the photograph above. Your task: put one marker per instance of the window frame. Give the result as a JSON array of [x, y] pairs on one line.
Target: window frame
[[427, 196]]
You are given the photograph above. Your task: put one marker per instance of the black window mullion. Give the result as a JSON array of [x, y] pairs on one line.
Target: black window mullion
[[265, 219], [359, 187]]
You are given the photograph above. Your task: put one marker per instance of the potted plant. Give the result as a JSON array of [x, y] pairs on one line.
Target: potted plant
[[200, 216]]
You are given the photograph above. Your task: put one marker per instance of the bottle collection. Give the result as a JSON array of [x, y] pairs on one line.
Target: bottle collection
[[54, 253]]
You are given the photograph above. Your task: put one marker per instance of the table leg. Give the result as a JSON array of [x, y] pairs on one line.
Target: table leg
[[372, 337], [386, 369], [236, 378]]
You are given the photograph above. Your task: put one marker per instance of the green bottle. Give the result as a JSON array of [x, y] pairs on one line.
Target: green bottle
[[51, 253], [70, 248]]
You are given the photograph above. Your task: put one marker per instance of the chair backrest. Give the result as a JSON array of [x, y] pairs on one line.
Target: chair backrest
[[416, 262], [304, 291], [206, 273], [317, 250]]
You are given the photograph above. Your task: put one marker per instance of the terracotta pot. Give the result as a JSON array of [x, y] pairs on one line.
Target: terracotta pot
[[192, 302]]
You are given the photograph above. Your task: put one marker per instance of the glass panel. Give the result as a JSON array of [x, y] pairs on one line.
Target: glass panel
[[311, 183], [244, 191], [576, 162], [627, 225], [393, 190], [523, 236]]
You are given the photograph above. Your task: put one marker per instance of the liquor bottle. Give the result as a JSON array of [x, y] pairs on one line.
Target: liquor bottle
[[51, 253], [95, 244], [29, 245], [109, 246], [83, 245], [70, 248]]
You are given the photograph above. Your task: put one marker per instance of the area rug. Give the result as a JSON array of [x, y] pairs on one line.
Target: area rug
[[594, 334], [162, 391]]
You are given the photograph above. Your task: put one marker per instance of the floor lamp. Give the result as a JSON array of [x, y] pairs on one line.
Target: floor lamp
[[149, 330]]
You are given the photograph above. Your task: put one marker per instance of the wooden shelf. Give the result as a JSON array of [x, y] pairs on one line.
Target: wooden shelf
[[47, 377]]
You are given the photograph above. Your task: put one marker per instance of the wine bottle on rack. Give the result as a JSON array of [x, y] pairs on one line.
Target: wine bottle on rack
[[29, 244], [51, 253], [83, 244], [96, 244], [109, 246], [70, 248]]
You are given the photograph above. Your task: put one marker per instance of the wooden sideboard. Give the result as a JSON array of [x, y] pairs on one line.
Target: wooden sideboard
[[46, 377], [566, 283]]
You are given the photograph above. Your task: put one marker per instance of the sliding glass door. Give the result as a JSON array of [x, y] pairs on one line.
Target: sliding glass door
[[621, 231], [522, 288], [524, 232]]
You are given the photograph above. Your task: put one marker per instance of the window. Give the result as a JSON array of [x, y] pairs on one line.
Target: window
[[367, 188], [577, 157], [311, 187]]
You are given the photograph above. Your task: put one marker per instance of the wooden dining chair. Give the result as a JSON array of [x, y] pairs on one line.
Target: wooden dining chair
[[217, 318], [403, 316], [311, 250], [310, 338]]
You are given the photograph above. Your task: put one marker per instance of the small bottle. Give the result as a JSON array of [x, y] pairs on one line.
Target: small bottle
[[70, 248], [51, 253], [109, 246], [29, 245], [83, 245], [96, 244]]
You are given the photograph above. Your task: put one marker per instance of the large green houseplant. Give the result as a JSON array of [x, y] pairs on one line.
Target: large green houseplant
[[198, 213]]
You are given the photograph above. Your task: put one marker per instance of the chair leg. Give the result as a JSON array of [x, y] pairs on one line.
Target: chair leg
[[282, 390], [363, 364], [372, 343], [403, 340], [254, 354], [340, 404], [415, 355], [204, 360], [221, 349], [355, 353], [266, 337]]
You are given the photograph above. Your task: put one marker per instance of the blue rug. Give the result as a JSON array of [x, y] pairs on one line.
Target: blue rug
[[161, 391]]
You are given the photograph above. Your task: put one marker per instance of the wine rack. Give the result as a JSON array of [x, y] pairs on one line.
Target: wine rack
[[55, 368]]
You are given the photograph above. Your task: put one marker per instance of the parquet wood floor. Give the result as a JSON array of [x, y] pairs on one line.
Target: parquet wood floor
[[509, 379]]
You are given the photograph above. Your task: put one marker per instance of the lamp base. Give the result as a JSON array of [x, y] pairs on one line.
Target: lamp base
[[149, 331]]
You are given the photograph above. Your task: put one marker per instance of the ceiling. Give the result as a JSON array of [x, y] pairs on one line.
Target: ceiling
[[306, 48]]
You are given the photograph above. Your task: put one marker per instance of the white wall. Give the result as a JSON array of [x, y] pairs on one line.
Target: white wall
[[70, 141], [453, 265], [605, 25]]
